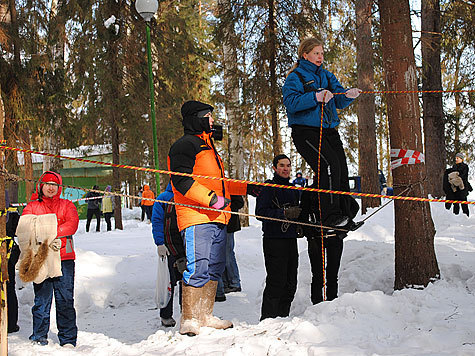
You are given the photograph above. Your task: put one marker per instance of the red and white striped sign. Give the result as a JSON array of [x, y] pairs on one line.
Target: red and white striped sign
[[405, 157]]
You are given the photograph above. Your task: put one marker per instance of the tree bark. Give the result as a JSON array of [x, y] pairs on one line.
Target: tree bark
[[272, 41], [29, 184], [433, 112], [415, 259], [3, 247], [367, 147], [231, 94]]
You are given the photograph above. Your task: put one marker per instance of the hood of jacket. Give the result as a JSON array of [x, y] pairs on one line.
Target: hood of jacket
[[194, 122], [45, 177]]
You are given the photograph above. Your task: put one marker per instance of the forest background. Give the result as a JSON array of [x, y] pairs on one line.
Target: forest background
[[73, 73]]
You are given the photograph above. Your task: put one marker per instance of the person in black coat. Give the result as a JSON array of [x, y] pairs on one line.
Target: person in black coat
[[230, 280], [94, 208], [12, 300], [456, 185], [279, 242], [332, 243]]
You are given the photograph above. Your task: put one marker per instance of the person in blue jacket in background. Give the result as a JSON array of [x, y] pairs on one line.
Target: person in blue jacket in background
[[308, 88], [158, 217]]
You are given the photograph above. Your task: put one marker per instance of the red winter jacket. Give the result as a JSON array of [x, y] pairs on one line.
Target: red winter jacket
[[66, 213]]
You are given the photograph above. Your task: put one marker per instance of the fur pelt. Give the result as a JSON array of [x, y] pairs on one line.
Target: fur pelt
[[456, 181], [38, 260]]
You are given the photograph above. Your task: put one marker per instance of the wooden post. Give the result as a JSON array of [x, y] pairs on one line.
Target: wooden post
[[3, 247]]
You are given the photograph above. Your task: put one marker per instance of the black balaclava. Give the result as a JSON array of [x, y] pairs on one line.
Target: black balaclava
[[194, 120]]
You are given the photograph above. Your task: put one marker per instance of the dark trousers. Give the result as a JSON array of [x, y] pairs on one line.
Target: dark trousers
[[281, 260], [107, 218], [147, 209], [175, 276], [143, 212], [12, 299], [90, 214], [63, 290], [457, 207], [333, 168], [333, 251]]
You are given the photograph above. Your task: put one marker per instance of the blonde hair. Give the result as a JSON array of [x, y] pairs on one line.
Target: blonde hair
[[305, 47]]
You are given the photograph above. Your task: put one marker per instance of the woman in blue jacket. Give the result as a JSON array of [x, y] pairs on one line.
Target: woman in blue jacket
[[307, 90]]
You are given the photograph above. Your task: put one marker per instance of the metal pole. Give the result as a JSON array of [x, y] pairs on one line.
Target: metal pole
[[152, 106]]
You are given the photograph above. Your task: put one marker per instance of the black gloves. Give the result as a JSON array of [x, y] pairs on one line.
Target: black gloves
[[292, 212], [254, 189]]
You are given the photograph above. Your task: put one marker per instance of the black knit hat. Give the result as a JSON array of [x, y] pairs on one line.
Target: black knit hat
[[193, 113]]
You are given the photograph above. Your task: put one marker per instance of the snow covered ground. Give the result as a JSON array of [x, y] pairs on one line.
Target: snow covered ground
[[115, 287]]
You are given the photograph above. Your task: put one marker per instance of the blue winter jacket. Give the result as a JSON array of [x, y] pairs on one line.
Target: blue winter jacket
[[303, 108], [158, 214]]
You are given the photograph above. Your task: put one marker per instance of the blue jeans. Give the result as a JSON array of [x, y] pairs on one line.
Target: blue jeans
[[230, 277], [63, 289], [205, 248]]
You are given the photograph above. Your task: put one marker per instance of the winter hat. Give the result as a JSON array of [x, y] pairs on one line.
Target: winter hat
[[108, 188], [459, 155], [46, 177], [50, 177], [194, 120]]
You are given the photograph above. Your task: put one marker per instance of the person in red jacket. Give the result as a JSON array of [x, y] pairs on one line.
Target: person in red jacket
[[46, 200]]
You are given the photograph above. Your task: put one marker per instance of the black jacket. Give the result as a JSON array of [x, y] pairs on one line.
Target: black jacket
[[237, 202], [93, 204], [462, 168], [271, 202]]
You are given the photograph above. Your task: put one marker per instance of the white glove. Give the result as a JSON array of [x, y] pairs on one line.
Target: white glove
[[55, 244], [353, 93], [162, 250], [324, 95]]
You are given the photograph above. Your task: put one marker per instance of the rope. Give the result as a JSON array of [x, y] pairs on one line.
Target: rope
[[317, 190], [319, 202], [182, 204]]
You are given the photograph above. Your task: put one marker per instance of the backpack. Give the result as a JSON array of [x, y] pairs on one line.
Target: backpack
[[172, 236]]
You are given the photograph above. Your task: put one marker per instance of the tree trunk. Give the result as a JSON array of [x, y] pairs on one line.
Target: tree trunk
[[28, 162], [233, 112], [415, 259], [272, 42], [116, 176], [52, 143], [3, 248], [433, 113], [367, 147]]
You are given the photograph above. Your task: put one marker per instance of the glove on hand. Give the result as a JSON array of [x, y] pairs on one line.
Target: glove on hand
[[324, 95], [180, 264], [219, 202], [162, 250], [352, 93], [55, 244], [292, 212], [254, 190]]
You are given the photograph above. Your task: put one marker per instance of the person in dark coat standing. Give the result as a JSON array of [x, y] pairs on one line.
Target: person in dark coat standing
[[230, 281], [12, 300], [279, 241], [456, 185], [93, 208]]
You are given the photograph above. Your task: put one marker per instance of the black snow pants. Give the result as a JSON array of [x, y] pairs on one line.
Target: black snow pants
[[281, 260], [333, 168], [333, 251]]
